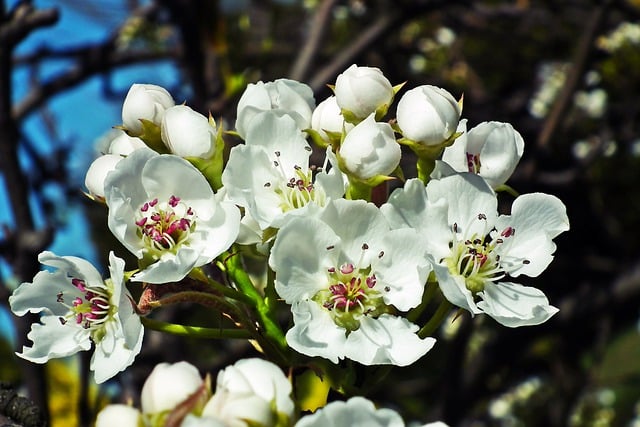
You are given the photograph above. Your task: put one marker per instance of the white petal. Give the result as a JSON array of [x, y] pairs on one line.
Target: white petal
[[314, 333], [536, 218], [515, 305], [170, 267], [334, 182], [386, 340], [467, 196], [51, 340], [456, 154], [356, 222], [406, 206], [403, 268], [303, 252], [357, 411], [111, 354], [454, 289]]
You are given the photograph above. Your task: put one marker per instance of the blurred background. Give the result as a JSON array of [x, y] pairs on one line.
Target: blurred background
[[564, 73]]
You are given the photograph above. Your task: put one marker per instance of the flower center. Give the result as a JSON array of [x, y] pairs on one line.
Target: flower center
[[476, 259], [351, 294], [163, 226], [90, 310], [297, 191]]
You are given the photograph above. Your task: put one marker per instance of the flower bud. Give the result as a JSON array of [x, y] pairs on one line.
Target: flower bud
[[124, 144], [144, 101], [118, 415], [97, 173], [327, 117], [187, 133], [168, 385], [286, 97], [491, 150], [428, 115], [252, 390], [370, 149], [361, 91]]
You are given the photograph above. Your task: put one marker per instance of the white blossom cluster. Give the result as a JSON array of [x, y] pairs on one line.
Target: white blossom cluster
[[354, 270]]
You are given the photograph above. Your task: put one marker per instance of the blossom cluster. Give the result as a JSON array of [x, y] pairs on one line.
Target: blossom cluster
[[356, 271]]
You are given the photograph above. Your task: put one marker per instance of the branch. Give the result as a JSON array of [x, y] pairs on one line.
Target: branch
[[316, 33]]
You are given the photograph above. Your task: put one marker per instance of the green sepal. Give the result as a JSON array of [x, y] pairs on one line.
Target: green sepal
[[212, 168], [151, 136], [397, 87], [233, 133], [317, 139], [311, 391], [268, 234], [349, 117], [507, 189]]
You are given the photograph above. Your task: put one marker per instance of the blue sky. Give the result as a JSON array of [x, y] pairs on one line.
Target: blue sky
[[81, 114]]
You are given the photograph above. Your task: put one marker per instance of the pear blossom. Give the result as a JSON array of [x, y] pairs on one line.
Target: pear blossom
[[428, 115], [163, 210], [124, 144], [370, 149], [120, 415], [491, 150], [361, 91], [270, 175], [144, 101], [97, 173], [475, 251], [327, 117], [355, 412], [251, 392], [187, 133], [77, 309], [168, 385], [346, 274], [283, 96]]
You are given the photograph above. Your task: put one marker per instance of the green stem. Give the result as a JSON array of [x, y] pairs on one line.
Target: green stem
[[436, 320], [358, 190], [271, 329], [194, 331], [199, 275], [425, 166]]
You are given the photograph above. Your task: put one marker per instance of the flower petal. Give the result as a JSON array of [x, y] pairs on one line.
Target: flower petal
[[515, 305], [386, 340], [51, 340], [314, 333]]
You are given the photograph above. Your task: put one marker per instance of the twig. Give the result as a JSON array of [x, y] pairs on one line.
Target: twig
[[316, 33]]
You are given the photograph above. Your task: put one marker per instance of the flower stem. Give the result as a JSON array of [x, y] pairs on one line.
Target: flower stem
[[194, 331], [425, 166], [436, 320], [271, 329]]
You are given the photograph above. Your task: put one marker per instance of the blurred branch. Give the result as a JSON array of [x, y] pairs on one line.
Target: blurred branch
[[578, 66], [316, 33]]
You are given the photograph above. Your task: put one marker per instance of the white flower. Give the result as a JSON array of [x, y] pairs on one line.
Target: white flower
[[270, 175], [168, 385], [327, 117], [370, 149], [144, 101], [163, 210], [361, 91], [346, 274], [491, 150], [355, 412], [187, 133], [285, 97], [118, 415], [97, 173], [428, 115], [77, 308], [475, 251], [118, 142], [251, 392]]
